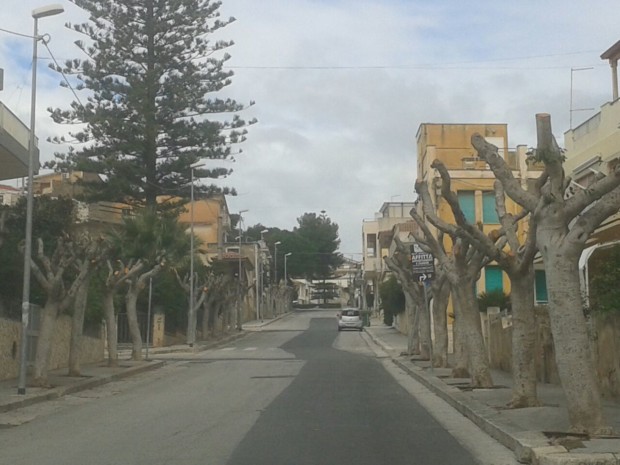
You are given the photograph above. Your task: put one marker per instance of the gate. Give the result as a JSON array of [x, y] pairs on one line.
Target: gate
[[122, 324]]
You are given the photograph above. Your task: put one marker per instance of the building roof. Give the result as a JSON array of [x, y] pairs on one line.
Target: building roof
[[612, 53], [5, 188]]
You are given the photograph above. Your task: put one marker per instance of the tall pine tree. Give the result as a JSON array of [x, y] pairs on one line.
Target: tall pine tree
[[153, 81]]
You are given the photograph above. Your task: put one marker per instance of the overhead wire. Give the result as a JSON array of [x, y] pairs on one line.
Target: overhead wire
[[458, 65], [58, 67]]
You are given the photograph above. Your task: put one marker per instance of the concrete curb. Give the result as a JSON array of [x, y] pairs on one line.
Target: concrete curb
[[260, 327]]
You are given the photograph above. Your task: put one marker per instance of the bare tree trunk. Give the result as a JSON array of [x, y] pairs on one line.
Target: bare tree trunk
[[424, 325], [49, 313], [192, 321], [441, 295], [77, 327], [523, 340], [573, 352], [131, 299], [111, 327], [206, 320], [413, 338], [472, 334], [461, 367]]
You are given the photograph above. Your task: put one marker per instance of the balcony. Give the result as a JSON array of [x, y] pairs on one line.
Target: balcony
[[14, 136]]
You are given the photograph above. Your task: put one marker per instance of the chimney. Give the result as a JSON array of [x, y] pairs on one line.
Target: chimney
[[612, 54]]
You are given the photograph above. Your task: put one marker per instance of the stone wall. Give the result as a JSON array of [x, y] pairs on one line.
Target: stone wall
[[605, 333], [9, 348], [92, 349]]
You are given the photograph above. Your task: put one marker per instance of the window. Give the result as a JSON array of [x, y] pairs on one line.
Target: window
[[541, 286], [489, 214], [371, 245], [467, 202], [1, 199], [493, 280]]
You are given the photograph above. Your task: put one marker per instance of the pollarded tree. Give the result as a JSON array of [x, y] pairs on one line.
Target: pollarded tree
[[60, 274], [462, 268], [118, 272], [196, 291], [89, 257], [419, 340], [517, 260], [562, 228], [437, 296], [153, 80]]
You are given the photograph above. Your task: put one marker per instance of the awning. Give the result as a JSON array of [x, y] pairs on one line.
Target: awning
[[14, 137]]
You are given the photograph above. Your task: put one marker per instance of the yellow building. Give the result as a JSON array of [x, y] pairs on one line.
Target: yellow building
[[473, 181], [211, 220]]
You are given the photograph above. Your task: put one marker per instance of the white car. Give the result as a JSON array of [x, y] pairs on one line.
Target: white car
[[350, 318]]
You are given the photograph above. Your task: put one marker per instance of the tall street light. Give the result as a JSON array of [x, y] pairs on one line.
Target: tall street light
[[275, 261], [285, 274], [42, 12], [241, 212], [191, 317]]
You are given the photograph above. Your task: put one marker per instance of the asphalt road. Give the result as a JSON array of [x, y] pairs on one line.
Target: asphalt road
[[297, 393]]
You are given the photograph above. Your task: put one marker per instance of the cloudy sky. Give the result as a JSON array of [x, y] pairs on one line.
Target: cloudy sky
[[341, 87]]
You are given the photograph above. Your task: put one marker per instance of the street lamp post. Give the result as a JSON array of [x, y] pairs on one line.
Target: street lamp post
[[285, 274], [275, 261], [239, 326], [191, 317], [42, 12]]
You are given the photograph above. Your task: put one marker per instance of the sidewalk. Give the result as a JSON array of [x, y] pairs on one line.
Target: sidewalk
[[521, 430], [94, 375]]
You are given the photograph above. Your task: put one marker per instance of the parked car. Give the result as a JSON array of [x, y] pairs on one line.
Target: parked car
[[350, 318]]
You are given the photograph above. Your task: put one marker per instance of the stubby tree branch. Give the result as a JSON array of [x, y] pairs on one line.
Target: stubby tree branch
[[488, 152]]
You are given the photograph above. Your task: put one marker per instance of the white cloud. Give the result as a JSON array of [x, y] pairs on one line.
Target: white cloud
[[343, 140]]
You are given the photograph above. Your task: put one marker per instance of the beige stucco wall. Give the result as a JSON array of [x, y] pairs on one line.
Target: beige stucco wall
[[597, 136], [9, 348], [92, 348]]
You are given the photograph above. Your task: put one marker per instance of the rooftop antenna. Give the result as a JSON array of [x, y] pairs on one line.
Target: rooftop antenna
[[572, 110]]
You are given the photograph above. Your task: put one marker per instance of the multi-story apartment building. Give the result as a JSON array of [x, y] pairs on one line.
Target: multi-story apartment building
[[473, 181], [211, 220], [593, 148], [373, 268], [593, 152]]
